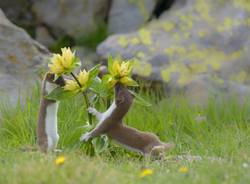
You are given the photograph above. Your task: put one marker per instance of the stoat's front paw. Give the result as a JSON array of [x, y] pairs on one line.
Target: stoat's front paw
[[85, 137]]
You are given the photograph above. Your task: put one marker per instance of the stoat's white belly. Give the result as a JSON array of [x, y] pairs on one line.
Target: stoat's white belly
[[51, 125], [108, 112]]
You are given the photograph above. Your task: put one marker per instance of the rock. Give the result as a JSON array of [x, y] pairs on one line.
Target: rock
[[73, 17], [129, 15], [43, 36], [203, 37], [16, 10], [21, 59], [88, 57]]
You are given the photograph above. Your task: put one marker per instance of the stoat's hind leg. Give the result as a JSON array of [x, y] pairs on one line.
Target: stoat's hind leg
[[55, 141], [93, 111], [52, 142]]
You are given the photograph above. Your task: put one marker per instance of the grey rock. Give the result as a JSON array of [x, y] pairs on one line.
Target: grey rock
[[43, 36], [129, 15], [73, 17], [21, 59], [88, 57], [202, 38]]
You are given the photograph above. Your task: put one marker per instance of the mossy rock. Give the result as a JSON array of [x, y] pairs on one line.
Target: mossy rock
[[21, 60], [205, 37]]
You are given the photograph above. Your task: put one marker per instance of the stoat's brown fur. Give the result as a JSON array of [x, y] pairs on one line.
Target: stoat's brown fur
[[110, 123]]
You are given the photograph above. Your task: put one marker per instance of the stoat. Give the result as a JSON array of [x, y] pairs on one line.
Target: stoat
[[111, 124], [47, 136]]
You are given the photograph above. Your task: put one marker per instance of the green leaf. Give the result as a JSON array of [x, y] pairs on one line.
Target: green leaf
[[139, 99], [110, 63], [59, 94], [77, 62], [98, 87], [100, 144], [93, 72]]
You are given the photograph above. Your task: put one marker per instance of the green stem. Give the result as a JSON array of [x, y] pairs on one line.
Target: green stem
[[85, 98]]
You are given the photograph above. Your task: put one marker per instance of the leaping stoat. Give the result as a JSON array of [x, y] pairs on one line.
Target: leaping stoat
[[47, 135], [110, 123]]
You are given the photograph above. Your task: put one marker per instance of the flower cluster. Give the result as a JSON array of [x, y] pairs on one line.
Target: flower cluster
[[64, 63], [119, 72], [81, 84]]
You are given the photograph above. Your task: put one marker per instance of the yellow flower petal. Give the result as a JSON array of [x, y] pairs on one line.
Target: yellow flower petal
[[146, 172], [71, 85], [60, 160], [56, 64], [183, 169], [116, 68], [83, 77], [68, 57], [126, 68]]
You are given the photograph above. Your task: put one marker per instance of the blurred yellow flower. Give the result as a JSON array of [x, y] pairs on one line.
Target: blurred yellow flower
[[120, 71], [68, 58], [72, 85], [83, 77], [183, 169], [60, 160], [64, 63], [55, 66], [146, 172]]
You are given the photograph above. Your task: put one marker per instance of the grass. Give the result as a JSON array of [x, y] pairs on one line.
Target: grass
[[221, 139]]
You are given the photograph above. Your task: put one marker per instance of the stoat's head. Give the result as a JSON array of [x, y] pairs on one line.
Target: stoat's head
[[52, 82], [122, 95], [51, 78]]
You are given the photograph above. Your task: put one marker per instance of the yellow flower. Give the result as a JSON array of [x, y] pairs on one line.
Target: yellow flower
[[72, 85], [64, 63], [56, 64], [68, 57], [60, 160], [120, 71], [146, 172], [183, 169], [83, 77]]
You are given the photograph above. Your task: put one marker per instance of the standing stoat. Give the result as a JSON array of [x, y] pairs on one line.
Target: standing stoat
[[47, 136], [110, 123]]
